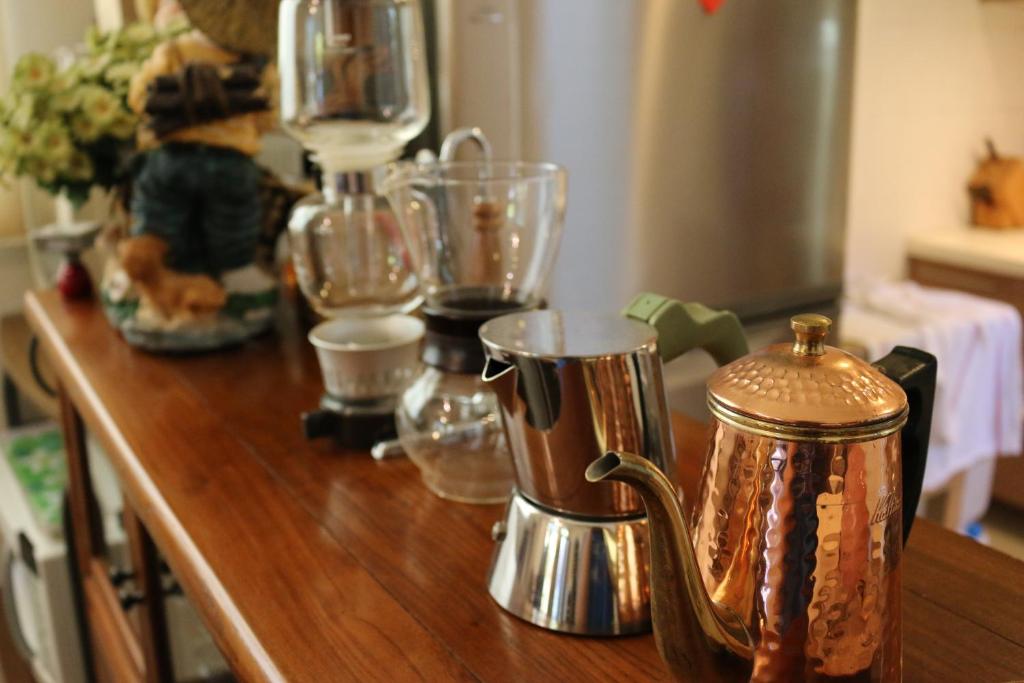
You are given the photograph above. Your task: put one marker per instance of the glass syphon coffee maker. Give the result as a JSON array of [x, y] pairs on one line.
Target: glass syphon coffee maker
[[354, 91], [483, 237]]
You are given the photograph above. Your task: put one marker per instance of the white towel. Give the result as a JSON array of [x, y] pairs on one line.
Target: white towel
[[977, 341]]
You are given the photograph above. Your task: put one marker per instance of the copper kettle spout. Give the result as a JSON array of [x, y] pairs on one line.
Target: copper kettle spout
[[689, 628]]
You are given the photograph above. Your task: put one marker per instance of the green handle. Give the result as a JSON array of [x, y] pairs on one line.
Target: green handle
[[682, 327]]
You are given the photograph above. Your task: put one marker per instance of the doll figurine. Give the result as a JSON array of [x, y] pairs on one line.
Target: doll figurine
[[195, 200], [198, 187]]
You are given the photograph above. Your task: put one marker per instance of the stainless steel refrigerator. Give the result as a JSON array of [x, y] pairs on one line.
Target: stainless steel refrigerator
[[707, 153]]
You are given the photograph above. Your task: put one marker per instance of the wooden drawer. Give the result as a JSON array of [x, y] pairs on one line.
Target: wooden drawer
[[999, 287]]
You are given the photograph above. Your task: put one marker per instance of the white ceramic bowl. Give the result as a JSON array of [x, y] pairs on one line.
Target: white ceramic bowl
[[362, 359]]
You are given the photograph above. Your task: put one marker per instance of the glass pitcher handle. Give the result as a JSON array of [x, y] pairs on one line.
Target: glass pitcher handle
[[914, 370], [682, 327]]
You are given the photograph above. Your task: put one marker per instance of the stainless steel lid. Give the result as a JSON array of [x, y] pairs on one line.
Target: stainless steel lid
[[567, 334], [808, 388]]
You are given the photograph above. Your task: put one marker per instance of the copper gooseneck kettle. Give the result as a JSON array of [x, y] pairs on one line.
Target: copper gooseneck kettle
[[813, 472]]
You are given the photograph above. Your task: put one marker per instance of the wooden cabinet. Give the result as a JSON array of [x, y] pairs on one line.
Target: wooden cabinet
[[312, 564]]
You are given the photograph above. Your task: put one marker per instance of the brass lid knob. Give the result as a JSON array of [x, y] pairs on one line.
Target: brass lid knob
[[811, 330]]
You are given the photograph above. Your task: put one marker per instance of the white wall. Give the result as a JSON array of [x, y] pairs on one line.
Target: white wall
[[932, 79]]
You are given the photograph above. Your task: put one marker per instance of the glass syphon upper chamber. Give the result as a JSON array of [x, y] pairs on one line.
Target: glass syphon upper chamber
[[354, 86]]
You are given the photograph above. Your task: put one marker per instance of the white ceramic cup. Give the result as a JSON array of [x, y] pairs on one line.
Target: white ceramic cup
[[362, 359]]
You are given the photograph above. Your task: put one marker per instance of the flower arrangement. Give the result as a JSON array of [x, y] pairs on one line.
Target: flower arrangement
[[72, 129]]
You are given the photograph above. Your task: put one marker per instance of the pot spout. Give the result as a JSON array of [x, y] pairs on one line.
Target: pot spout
[[689, 628], [501, 378]]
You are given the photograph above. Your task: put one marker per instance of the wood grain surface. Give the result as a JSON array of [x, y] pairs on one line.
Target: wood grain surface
[[313, 564]]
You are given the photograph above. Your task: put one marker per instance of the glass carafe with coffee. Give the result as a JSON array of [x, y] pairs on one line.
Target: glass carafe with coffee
[[483, 237]]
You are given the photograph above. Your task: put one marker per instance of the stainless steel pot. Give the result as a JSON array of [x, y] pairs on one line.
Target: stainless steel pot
[[572, 556]]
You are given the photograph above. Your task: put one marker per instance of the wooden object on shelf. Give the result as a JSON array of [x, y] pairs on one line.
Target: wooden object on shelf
[[996, 191], [310, 564], [1008, 485]]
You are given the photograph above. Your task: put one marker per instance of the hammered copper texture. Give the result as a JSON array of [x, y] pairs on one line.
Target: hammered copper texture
[[803, 541], [833, 389]]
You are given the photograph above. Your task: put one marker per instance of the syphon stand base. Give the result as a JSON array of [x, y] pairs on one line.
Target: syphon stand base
[[354, 425], [572, 574]]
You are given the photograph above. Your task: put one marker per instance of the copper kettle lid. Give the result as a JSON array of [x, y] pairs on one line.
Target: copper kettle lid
[[807, 389]]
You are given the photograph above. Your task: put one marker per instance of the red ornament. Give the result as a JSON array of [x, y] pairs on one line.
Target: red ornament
[[73, 279], [711, 6]]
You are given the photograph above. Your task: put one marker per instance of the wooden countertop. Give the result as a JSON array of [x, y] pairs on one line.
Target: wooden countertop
[[310, 564], [999, 252]]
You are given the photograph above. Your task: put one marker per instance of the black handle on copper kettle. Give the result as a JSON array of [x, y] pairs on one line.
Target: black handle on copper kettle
[[914, 370]]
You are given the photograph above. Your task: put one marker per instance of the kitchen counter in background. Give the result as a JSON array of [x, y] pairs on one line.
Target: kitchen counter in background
[[312, 564], [997, 252]]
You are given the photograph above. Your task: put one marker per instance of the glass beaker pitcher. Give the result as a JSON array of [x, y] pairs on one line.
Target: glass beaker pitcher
[[482, 237]]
